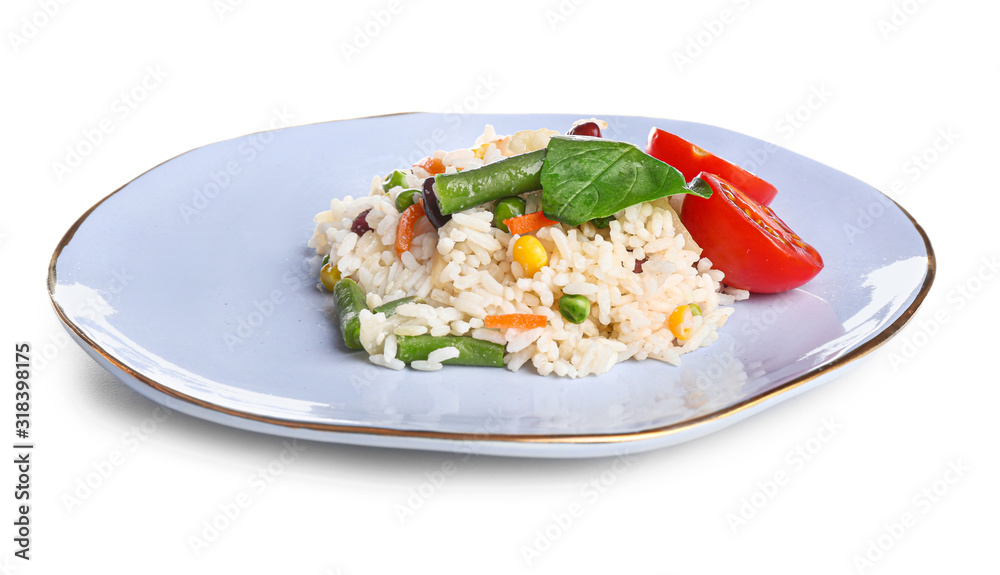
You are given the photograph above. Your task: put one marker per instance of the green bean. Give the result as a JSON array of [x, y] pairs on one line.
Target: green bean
[[507, 208], [406, 198], [396, 178], [350, 300], [511, 176], [575, 308], [471, 351], [389, 308]]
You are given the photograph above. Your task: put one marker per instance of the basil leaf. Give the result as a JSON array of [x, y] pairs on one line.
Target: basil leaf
[[585, 178]]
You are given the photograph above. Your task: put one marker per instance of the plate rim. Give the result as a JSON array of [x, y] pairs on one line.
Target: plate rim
[[861, 351]]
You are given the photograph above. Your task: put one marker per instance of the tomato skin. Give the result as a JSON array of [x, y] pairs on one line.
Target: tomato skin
[[690, 160], [748, 242]]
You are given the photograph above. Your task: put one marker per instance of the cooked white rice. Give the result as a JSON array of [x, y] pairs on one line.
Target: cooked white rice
[[464, 272]]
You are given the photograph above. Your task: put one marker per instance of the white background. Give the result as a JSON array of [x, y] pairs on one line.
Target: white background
[[869, 85]]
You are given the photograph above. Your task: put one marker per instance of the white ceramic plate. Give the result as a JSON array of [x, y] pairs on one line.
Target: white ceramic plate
[[192, 284]]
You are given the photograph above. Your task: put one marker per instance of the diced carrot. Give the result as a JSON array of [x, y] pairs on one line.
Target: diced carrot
[[527, 223], [433, 165], [404, 228], [516, 320]]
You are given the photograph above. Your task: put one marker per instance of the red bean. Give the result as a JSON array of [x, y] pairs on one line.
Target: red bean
[[360, 224], [586, 129]]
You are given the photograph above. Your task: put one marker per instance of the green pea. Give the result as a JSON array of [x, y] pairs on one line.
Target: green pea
[[396, 178], [574, 308], [601, 223], [407, 198], [507, 208]]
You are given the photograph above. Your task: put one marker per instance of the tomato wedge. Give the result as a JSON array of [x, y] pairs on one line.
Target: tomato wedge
[[690, 160], [747, 241]]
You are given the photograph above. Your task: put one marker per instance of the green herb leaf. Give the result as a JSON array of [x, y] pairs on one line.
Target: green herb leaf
[[585, 178]]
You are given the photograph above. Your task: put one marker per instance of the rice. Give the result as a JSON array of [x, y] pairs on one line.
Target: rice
[[443, 354], [465, 271], [425, 365]]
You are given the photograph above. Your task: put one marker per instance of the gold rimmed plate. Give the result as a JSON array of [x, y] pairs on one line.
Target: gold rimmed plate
[[192, 284]]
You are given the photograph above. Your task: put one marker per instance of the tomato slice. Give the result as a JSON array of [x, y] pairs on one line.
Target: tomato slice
[[690, 160], [747, 241]]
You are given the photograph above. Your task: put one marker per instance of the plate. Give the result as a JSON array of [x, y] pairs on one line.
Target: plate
[[193, 285]]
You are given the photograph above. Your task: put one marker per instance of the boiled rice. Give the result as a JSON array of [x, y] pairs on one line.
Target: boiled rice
[[465, 271]]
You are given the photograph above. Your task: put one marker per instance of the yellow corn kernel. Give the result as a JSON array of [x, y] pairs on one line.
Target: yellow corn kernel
[[681, 321], [329, 275], [531, 254], [480, 151]]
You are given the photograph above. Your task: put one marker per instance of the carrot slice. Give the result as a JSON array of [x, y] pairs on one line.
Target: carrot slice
[[517, 320], [527, 223], [433, 165], [404, 228]]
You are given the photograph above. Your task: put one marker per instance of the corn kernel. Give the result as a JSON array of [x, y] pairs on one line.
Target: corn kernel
[[531, 254], [329, 275], [480, 151], [681, 321]]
